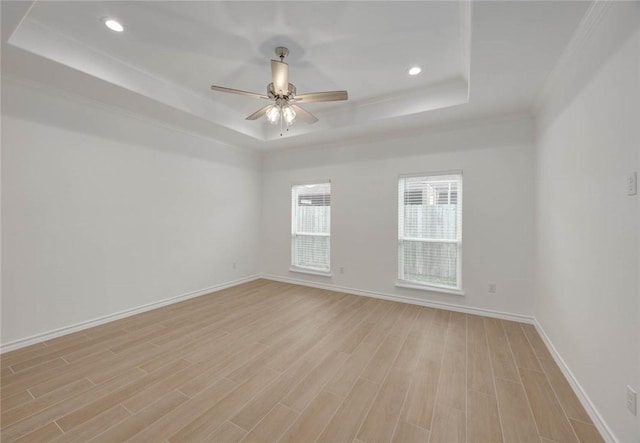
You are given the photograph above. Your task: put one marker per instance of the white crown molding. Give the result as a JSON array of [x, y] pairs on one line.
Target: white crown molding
[[49, 43], [586, 402], [405, 299], [56, 92], [21, 343], [466, 17], [606, 26], [571, 54]]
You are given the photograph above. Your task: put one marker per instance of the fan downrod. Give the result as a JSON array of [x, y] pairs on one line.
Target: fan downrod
[[282, 52]]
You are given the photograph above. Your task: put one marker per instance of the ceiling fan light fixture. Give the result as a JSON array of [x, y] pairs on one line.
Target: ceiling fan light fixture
[[113, 25], [288, 114], [273, 114], [284, 98], [415, 70]]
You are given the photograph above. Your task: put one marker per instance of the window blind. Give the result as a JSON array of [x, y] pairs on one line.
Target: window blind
[[430, 230], [311, 226]]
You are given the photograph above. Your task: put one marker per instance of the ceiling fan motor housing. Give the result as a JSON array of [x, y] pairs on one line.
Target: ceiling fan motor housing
[[291, 92]]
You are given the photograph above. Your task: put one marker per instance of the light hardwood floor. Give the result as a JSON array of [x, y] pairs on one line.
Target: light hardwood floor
[[268, 361]]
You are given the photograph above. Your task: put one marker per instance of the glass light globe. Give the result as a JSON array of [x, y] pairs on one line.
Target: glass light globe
[[273, 114], [289, 114]]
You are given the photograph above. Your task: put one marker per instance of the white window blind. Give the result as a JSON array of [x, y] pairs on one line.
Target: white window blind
[[430, 230], [311, 226]]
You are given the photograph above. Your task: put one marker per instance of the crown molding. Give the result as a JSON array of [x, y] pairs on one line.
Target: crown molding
[[577, 45], [43, 89], [606, 26]]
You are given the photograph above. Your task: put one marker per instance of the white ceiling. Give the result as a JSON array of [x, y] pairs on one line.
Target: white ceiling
[[479, 58]]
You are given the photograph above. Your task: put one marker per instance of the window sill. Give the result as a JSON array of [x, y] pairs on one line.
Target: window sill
[[411, 285], [310, 271]]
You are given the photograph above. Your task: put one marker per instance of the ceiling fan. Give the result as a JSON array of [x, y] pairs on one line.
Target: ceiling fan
[[284, 107]]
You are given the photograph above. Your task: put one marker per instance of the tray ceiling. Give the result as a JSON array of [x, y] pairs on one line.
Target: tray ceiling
[[171, 52]]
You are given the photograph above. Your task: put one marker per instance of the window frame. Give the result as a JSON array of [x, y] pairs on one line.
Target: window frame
[[294, 205], [414, 284]]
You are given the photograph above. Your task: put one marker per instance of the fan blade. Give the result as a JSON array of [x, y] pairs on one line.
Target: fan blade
[[304, 115], [259, 113], [280, 75], [329, 96], [237, 91]]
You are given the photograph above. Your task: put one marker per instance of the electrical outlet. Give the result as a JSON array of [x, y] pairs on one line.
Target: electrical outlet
[[632, 401], [632, 183], [492, 288], [341, 270]]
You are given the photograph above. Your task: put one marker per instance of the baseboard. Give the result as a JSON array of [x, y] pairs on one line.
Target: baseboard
[[588, 405], [405, 299], [21, 343]]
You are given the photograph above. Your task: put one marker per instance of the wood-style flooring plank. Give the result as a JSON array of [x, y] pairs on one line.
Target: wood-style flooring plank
[[226, 433], [76, 403], [313, 419], [95, 426], [517, 420], [345, 423], [408, 433], [15, 400], [421, 398], [586, 432], [205, 422], [41, 435], [184, 414], [449, 425], [566, 396], [522, 350], [502, 361], [547, 412], [479, 373], [252, 412], [384, 414], [272, 426], [483, 419], [137, 422]]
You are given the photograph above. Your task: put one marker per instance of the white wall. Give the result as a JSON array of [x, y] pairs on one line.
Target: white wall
[[103, 212], [496, 158], [587, 228]]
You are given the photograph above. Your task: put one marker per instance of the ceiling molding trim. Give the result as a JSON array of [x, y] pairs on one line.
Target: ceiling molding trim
[[519, 121], [466, 18], [384, 109], [45, 42], [52, 91], [602, 32], [579, 41]]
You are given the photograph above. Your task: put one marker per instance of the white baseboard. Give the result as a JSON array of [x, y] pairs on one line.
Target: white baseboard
[[406, 299], [21, 343], [588, 405]]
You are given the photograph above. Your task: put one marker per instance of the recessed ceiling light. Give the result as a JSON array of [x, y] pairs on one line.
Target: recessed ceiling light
[[415, 70], [114, 25]]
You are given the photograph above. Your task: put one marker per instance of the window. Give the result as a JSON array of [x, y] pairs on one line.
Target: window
[[430, 230], [311, 227]]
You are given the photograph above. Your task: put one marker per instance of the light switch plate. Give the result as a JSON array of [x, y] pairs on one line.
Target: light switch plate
[[632, 400], [632, 183]]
